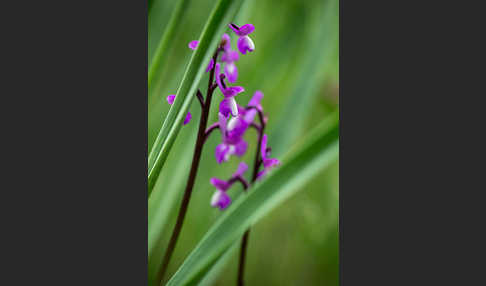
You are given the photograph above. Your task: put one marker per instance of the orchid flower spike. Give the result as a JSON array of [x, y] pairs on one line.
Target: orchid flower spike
[[268, 163], [244, 42], [170, 100], [220, 198]]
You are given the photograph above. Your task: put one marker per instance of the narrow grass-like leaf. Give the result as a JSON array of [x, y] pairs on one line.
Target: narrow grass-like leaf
[[224, 11], [306, 159], [161, 53]]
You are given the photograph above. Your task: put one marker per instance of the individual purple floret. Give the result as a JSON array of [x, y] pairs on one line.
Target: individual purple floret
[[228, 104], [268, 163], [244, 42], [220, 198], [170, 100], [193, 45], [229, 57], [232, 137]]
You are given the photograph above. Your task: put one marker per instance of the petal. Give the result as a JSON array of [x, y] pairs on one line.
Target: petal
[[240, 148], [188, 118], [246, 29], [222, 119], [193, 45], [226, 41], [210, 65], [245, 44], [231, 72], [225, 107], [236, 129], [263, 149], [220, 199], [222, 153], [232, 91], [242, 167], [230, 56], [261, 174], [170, 98], [219, 184], [234, 106], [268, 163], [255, 100]]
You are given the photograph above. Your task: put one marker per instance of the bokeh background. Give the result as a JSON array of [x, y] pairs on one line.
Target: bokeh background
[[296, 65]]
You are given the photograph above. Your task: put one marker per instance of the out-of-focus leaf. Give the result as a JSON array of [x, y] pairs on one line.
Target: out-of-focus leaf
[[304, 161]]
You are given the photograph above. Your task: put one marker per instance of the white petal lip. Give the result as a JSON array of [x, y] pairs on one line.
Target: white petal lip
[[215, 198], [231, 123], [234, 107], [250, 43]]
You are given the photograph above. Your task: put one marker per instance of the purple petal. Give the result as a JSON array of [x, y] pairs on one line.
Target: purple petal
[[220, 199], [231, 72], [236, 128], [222, 153], [268, 163], [246, 29], [261, 174], [240, 148], [233, 91], [219, 184], [254, 101], [170, 98], [193, 45], [263, 149], [210, 65], [226, 41], [242, 167], [245, 44], [222, 119], [225, 107], [188, 118], [230, 56]]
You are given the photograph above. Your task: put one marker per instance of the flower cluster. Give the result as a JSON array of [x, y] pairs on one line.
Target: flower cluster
[[234, 119]]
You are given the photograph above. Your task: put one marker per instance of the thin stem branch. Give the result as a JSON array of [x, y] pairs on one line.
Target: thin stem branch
[[240, 179], [200, 98], [192, 175], [210, 129], [256, 165]]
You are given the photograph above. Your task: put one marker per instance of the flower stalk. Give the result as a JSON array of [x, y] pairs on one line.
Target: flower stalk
[[201, 136]]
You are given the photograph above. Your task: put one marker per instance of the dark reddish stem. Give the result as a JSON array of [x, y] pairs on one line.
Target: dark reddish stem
[[256, 165], [201, 135]]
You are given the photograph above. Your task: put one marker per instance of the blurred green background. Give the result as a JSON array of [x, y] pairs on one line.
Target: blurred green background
[[296, 65]]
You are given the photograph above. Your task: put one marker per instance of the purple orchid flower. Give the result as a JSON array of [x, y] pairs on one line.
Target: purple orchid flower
[[244, 42], [233, 131], [268, 163], [233, 143], [228, 104], [229, 57], [193, 45], [220, 198], [170, 100]]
